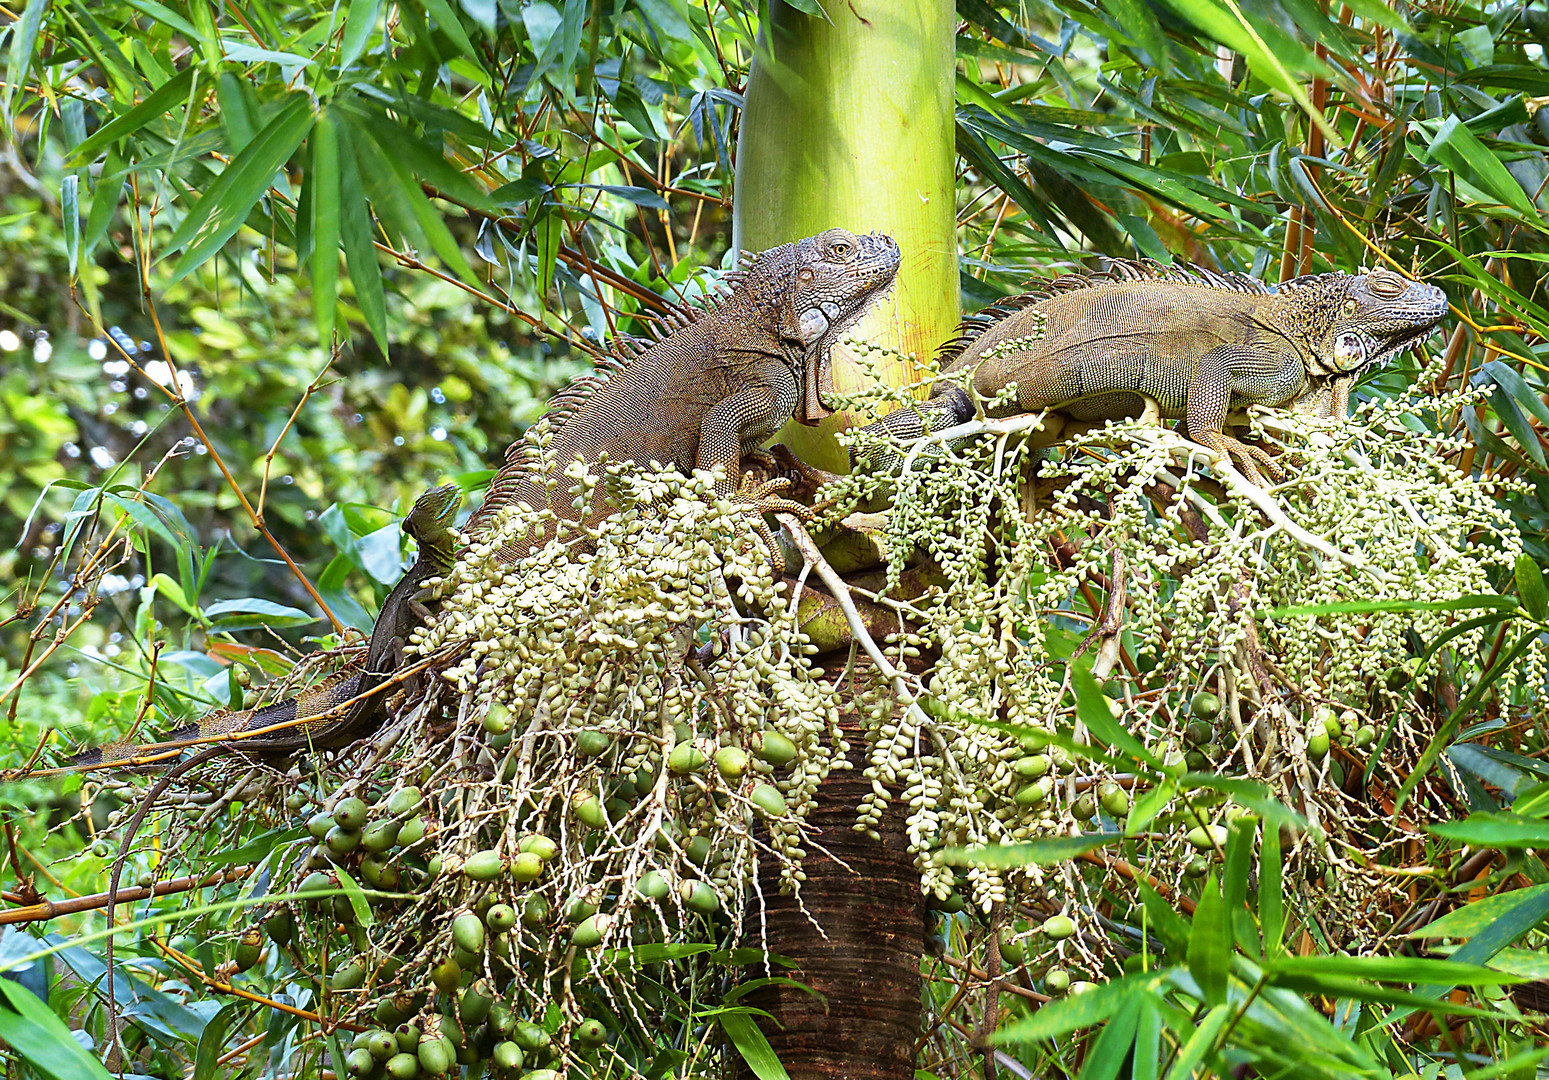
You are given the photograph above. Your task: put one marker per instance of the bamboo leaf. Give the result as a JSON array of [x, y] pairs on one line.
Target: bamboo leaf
[[24, 45], [452, 27], [323, 184], [1530, 587], [1473, 918], [41, 1039], [359, 24], [1068, 1014], [1092, 708], [174, 90], [752, 1045], [226, 204], [1271, 897], [1113, 1045], [1504, 832], [1048, 851], [1457, 148], [70, 218], [1462, 603], [1408, 969], [212, 1040], [1200, 1043], [1210, 943], [359, 251]]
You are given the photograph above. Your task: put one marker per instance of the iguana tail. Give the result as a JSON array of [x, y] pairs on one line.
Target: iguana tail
[[326, 714]]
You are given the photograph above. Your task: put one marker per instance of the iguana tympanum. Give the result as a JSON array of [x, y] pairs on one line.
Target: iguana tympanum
[[728, 377], [334, 711], [1197, 342]]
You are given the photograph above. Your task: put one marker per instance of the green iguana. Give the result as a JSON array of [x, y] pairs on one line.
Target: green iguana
[[334, 711], [728, 377], [1197, 342]]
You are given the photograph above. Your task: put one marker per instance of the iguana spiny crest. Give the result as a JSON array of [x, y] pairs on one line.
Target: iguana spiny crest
[[728, 376]]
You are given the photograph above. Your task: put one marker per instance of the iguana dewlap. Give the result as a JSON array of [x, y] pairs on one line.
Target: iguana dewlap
[[728, 376], [1198, 343], [318, 717]]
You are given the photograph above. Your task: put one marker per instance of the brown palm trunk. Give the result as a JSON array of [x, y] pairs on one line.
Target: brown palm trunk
[[865, 964]]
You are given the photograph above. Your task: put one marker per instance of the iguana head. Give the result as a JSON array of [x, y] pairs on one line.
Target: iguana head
[[1351, 322], [823, 284]]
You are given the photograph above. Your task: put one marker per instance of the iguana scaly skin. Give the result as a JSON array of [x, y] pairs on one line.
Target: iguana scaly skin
[[318, 717], [1198, 343], [728, 377]]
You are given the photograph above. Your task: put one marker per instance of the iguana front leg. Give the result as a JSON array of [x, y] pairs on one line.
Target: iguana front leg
[[1247, 374], [748, 417]]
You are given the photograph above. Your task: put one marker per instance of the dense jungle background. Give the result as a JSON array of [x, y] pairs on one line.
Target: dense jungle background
[[209, 433]]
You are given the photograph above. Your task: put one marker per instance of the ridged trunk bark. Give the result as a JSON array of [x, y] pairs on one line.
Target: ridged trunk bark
[[867, 967]]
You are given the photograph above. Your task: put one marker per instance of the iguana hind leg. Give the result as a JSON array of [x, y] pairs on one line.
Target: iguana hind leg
[[760, 497]]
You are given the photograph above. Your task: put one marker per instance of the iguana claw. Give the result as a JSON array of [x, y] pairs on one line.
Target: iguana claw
[[758, 497]]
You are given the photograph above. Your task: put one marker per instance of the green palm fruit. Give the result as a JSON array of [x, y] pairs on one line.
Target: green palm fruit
[[380, 835], [774, 748], [588, 809], [591, 931], [350, 813], [468, 932], [653, 886], [476, 1002], [403, 1066], [484, 866], [590, 1034], [767, 798], [593, 743], [731, 762], [348, 977], [1059, 927], [535, 912], [446, 975], [248, 949], [507, 1055], [527, 867], [280, 926]]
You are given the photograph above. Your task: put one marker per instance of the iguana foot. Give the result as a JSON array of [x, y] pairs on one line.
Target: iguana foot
[[779, 461], [1247, 456], [758, 497]]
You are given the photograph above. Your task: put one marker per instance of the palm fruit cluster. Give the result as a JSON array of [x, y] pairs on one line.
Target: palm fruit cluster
[[486, 878], [1026, 545], [622, 733]]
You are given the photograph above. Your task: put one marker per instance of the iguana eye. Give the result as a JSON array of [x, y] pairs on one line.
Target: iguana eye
[[840, 248], [1386, 285]]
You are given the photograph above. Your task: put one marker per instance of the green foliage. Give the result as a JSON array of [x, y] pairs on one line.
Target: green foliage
[[507, 184]]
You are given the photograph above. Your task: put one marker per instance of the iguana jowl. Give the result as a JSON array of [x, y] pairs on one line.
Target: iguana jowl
[[318, 716], [1197, 342], [727, 378]]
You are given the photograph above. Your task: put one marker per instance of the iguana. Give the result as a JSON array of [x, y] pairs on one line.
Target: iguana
[[728, 377], [1197, 342], [332, 712]]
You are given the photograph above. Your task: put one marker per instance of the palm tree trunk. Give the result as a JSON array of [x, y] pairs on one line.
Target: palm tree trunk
[[849, 122]]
